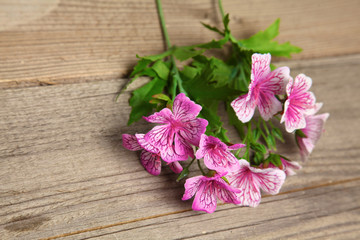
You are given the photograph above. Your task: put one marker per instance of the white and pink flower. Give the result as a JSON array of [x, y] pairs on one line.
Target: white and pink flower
[[299, 103], [313, 130], [250, 180], [149, 156], [287, 166], [265, 84], [179, 129], [217, 155], [207, 190]]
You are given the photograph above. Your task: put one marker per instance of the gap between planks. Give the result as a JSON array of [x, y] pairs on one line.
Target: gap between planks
[[188, 210]]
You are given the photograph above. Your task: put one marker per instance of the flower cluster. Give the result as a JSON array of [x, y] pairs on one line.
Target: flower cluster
[[180, 135]]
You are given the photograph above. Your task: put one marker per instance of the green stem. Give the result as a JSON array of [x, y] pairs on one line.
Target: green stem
[[202, 171], [162, 22], [176, 80], [221, 10]]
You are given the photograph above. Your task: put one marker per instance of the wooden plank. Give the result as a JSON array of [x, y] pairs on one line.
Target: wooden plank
[[50, 42], [63, 169]]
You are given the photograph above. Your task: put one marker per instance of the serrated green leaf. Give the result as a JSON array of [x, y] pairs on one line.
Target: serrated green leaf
[[189, 72], [140, 66], [262, 42], [156, 57], [141, 97], [184, 53], [211, 28], [161, 69], [213, 43]]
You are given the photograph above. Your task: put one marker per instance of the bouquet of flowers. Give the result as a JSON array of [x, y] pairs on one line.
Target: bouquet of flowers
[[183, 102]]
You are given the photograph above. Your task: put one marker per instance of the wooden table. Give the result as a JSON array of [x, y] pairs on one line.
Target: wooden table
[[63, 171]]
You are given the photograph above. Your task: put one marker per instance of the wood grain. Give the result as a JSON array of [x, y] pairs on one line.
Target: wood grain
[[65, 175], [62, 41]]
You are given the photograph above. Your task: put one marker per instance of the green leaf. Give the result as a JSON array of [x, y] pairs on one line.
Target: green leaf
[[258, 147], [183, 174], [262, 42], [184, 53], [140, 66], [161, 69], [233, 120], [210, 113], [258, 158], [270, 141], [161, 96], [256, 134], [211, 28], [276, 132], [141, 97], [275, 159], [213, 43], [156, 57]]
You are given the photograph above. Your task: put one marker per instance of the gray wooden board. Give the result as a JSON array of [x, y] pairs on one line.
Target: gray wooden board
[[64, 172]]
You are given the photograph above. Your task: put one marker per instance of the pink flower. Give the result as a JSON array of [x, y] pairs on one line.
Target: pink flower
[[250, 180], [179, 130], [313, 130], [217, 155], [149, 156], [207, 190], [298, 103], [265, 84], [287, 166]]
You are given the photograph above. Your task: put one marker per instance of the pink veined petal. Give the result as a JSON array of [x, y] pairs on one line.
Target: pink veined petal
[[289, 167], [260, 66], [225, 192], [200, 153], [244, 109], [130, 142], [176, 167], [301, 84], [236, 146], [270, 179], [314, 128], [169, 155], [293, 117], [205, 198], [315, 109], [164, 116], [160, 136], [243, 180], [303, 149], [151, 162], [268, 105], [182, 147], [276, 81], [184, 109], [146, 145], [192, 186], [221, 161], [192, 130]]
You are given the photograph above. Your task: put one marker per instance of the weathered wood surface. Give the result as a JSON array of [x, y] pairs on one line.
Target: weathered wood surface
[[65, 175], [57, 41]]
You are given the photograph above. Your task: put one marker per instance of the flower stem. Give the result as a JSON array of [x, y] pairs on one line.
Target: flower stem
[[162, 22], [221, 9], [176, 81], [199, 165]]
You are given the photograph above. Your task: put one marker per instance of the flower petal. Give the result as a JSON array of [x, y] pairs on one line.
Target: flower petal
[[130, 142], [192, 186], [184, 109], [301, 84], [268, 105], [244, 109], [192, 130], [260, 66], [151, 162], [163, 116], [205, 198], [276, 81], [225, 192], [293, 117], [176, 167], [243, 179], [236, 146], [160, 136], [182, 147], [145, 144], [270, 179]]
